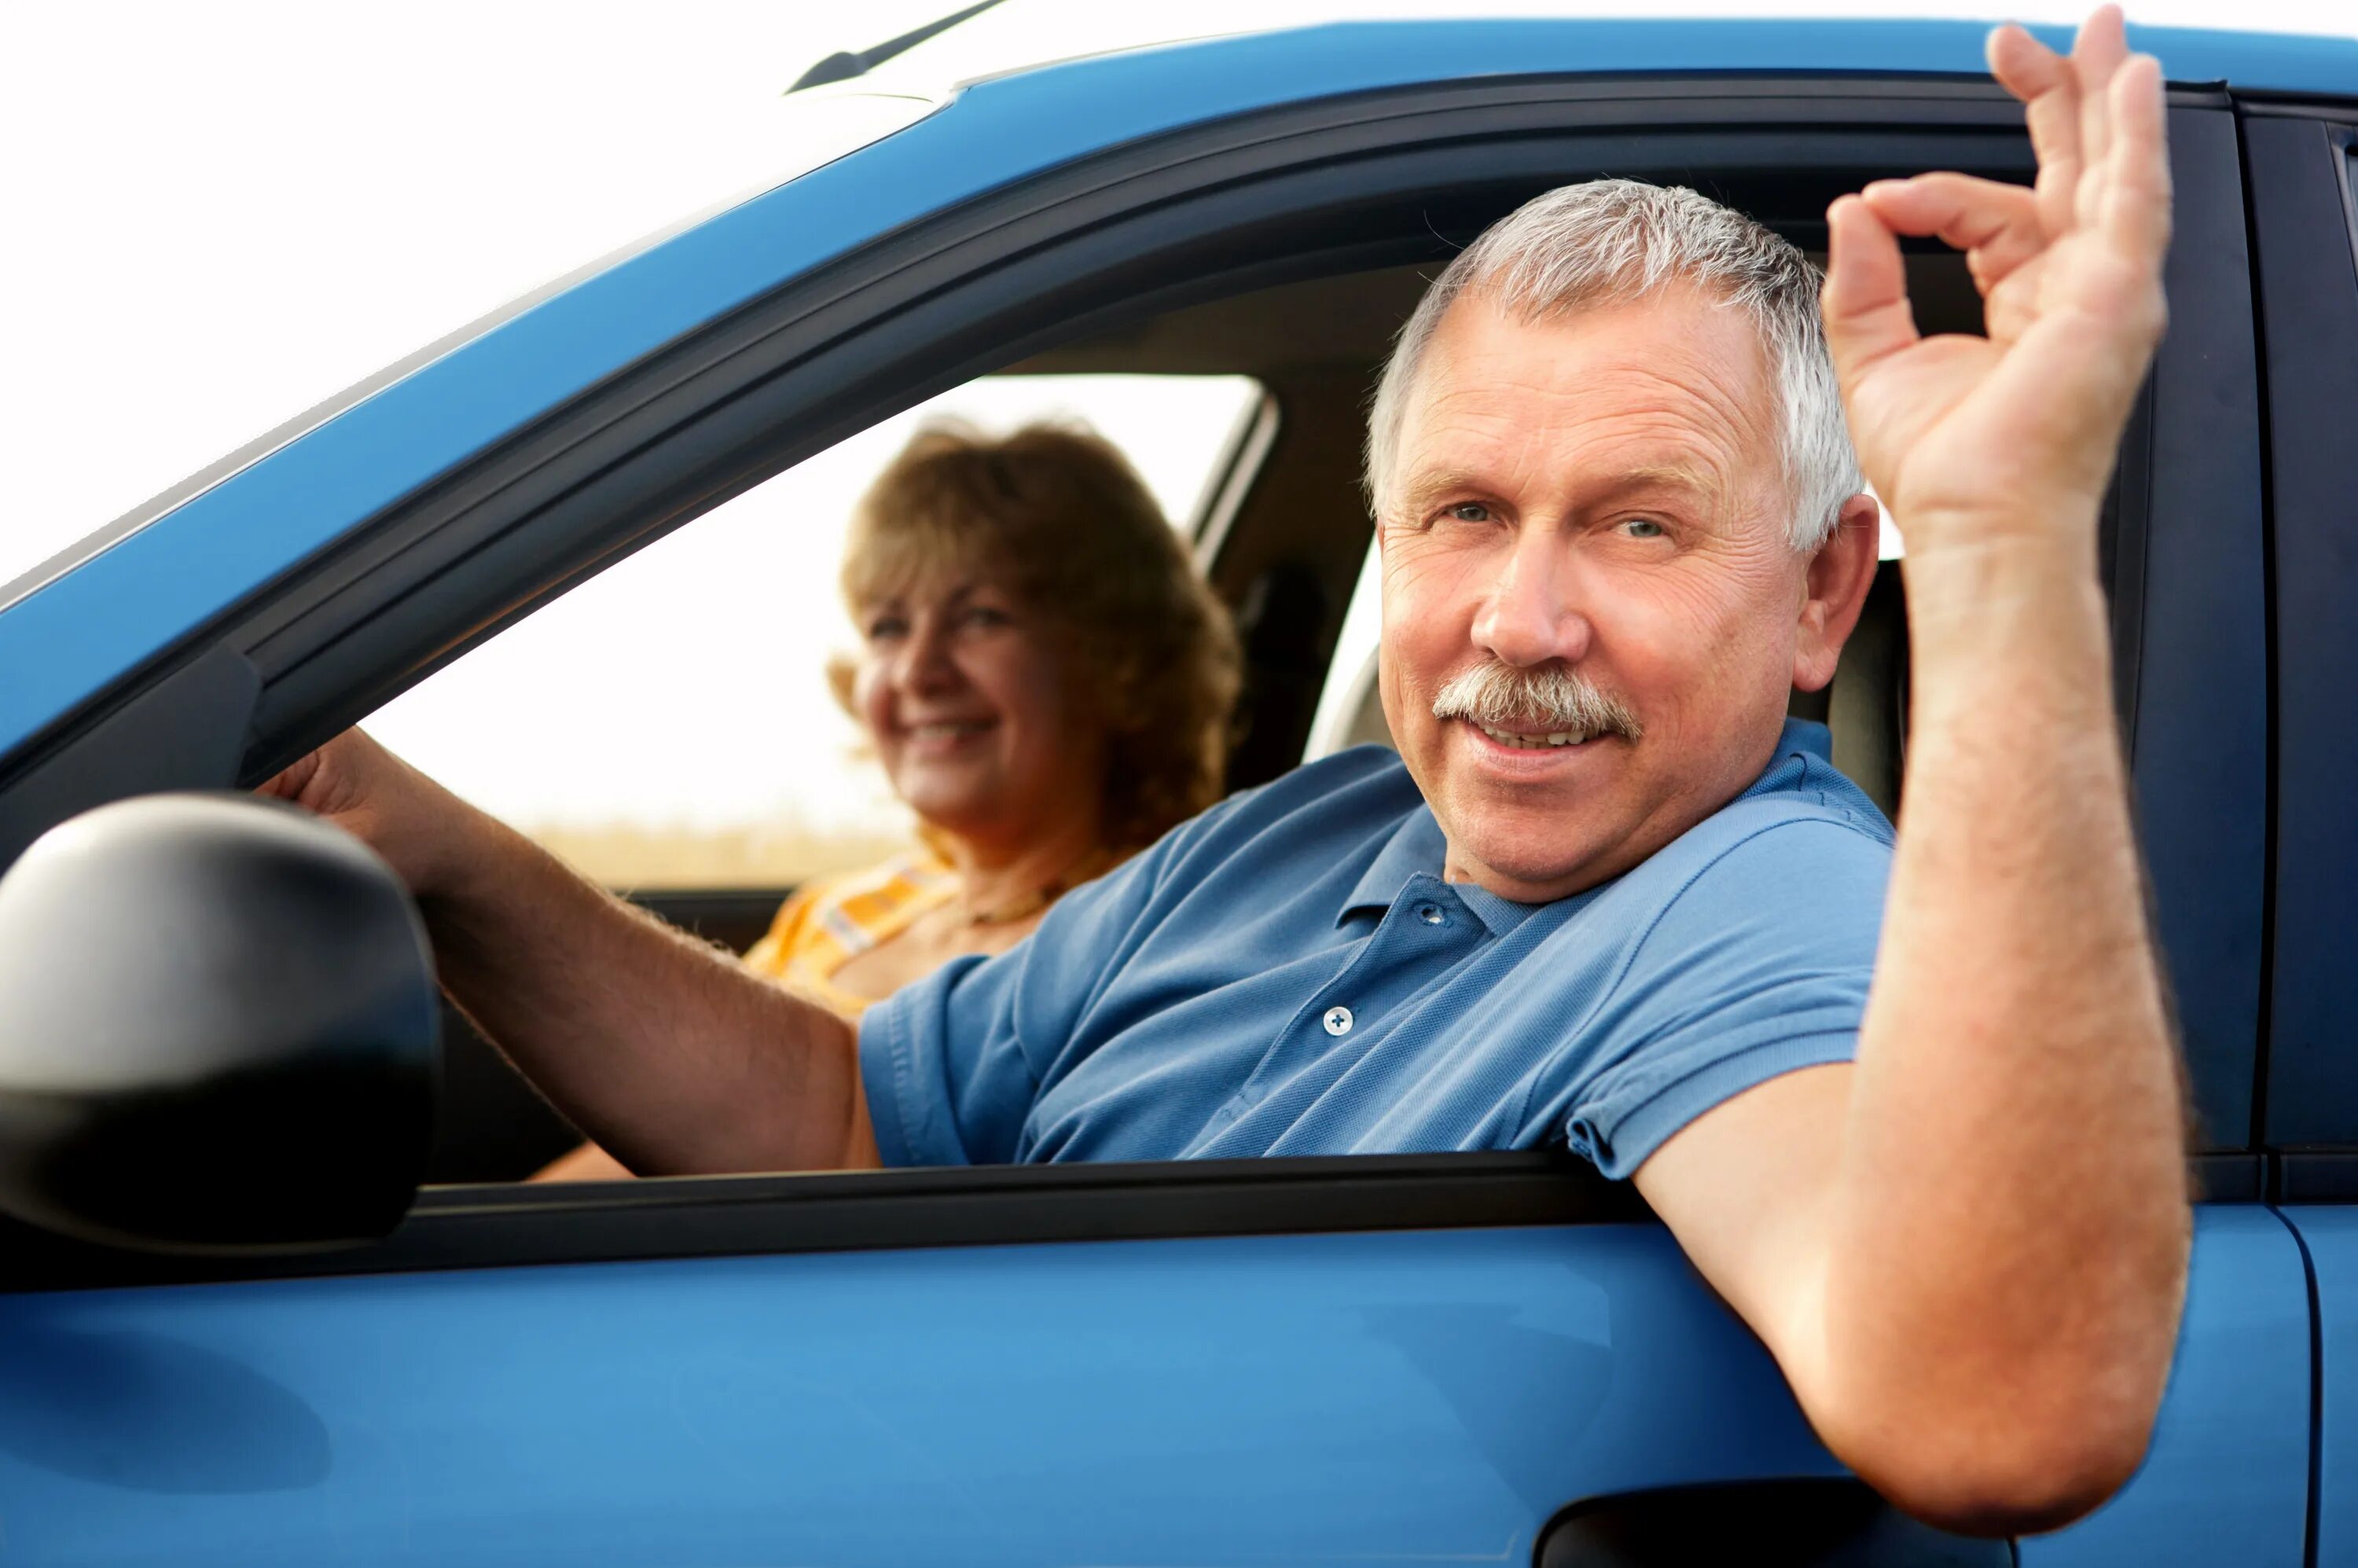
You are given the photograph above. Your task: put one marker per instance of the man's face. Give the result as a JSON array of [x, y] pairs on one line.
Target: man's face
[[1598, 498]]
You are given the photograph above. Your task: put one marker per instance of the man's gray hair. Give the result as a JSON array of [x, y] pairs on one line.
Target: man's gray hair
[[1612, 241]]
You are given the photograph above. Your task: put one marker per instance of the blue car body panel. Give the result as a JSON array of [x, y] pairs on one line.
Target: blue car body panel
[[79, 633], [1427, 1395], [1350, 1398], [2329, 1234]]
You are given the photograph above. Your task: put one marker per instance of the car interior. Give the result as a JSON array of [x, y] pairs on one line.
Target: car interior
[[1283, 538]]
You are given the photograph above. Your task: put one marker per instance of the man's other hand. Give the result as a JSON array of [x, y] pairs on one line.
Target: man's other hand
[[403, 815], [658, 1045]]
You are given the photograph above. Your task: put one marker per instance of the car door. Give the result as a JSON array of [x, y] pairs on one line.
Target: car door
[[2302, 167], [1351, 1361]]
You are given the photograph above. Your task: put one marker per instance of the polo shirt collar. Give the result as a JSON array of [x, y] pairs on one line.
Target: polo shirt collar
[[1417, 847], [1416, 844]]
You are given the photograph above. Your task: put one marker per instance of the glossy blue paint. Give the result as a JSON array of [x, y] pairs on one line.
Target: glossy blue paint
[[1428, 1396], [71, 637], [2227, 1477], [1368, 1399], [2329, 1233]]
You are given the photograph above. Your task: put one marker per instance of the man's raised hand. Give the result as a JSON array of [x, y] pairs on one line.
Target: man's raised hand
[[1972, 439]]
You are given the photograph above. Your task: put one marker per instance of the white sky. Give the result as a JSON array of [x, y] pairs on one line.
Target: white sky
[[221, 214]]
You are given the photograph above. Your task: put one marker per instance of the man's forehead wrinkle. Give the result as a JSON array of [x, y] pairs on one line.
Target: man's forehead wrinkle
[[1655, 377], [1618, 450], [1674, 381]]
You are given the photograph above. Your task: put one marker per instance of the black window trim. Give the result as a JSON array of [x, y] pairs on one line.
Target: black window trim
[[2302, 166], [2198, 678], [676, 1218]]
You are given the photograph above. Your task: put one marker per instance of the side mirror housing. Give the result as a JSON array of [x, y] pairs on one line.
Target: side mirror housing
[[218, 1030]]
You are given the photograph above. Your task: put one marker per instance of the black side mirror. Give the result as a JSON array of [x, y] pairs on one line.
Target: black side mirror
[[218, 1030]]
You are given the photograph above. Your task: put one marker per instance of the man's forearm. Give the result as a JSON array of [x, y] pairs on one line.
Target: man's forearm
[[2011, 1207], [657, 1045]]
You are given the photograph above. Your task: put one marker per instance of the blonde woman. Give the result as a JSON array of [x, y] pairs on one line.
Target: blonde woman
[[1045, 681]]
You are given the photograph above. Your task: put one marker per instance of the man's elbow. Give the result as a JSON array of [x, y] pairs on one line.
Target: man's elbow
[[2002, 1471], [1997, 1421]]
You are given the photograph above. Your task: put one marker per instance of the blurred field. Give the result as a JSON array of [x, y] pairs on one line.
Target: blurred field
[[627, 856]]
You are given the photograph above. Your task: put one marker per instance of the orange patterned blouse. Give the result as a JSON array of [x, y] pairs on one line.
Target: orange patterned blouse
[[828, 922]]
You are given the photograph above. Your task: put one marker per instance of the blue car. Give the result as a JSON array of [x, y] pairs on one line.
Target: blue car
[[1450, 1358]]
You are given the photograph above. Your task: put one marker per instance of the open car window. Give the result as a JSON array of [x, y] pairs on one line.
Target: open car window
[[669, 724]]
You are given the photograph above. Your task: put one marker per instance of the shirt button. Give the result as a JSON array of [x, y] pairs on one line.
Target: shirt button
[[1429, 913], [1338, 1020]]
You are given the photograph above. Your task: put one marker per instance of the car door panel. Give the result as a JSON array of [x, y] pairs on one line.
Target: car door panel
[[1353, 1398], [1367, 1398]]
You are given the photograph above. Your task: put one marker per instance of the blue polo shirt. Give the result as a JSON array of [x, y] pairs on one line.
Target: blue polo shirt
[[1289, 974]]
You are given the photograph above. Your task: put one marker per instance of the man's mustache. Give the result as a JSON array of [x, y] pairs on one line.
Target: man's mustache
[[1547, 700]]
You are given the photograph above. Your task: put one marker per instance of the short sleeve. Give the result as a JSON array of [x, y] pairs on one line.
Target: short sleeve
[[1757, 965], [952, 1063]]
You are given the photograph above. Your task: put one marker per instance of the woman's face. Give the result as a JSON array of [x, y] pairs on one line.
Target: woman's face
[[965, 695]]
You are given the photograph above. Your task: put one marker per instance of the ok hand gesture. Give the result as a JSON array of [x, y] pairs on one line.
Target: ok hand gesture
[[1972, 440]]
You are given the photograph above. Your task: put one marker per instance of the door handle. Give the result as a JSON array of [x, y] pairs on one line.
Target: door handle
[[1817, 1521]]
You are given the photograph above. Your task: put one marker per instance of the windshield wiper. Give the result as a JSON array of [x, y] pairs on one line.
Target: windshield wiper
[[844, 66]]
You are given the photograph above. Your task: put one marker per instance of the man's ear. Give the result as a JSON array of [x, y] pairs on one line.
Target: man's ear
[[1834, 591]]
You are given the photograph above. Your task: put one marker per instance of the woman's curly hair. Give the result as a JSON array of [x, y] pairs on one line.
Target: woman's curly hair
[[1055, 515]]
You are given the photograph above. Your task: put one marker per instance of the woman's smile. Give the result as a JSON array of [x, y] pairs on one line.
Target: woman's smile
[[940, 738]]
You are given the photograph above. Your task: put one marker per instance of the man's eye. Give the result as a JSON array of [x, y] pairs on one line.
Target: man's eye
[[1643, 528], [1468, 512]]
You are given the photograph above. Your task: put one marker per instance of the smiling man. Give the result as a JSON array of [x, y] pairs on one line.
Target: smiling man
[[1607, 895], [1620, 520]]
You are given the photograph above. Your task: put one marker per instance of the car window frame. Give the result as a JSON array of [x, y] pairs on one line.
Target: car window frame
[[1120, 235], [2301, 163], [672, 1218]]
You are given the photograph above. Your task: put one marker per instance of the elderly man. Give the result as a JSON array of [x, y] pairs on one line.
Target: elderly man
[[1606, 894]]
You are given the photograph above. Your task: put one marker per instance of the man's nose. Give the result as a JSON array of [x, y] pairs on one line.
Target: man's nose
[[1533, 609]]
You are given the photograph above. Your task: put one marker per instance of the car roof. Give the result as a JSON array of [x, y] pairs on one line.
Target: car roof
[[154, 578], [1012, 36]]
